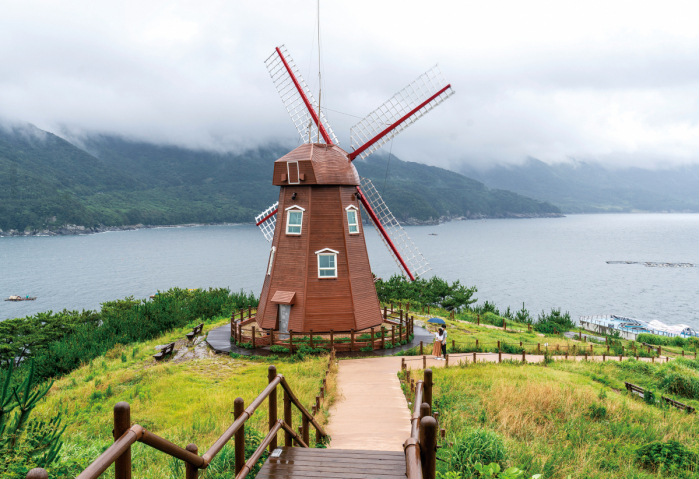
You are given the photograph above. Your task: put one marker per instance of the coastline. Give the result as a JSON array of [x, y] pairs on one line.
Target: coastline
[[73, 230]]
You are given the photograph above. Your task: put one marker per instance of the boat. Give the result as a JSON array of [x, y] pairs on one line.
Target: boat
[[20, 298]]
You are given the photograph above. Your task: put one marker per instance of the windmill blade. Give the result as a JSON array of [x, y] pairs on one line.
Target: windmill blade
[[298, 99], [396, 239], [402, 110], [267, 220]]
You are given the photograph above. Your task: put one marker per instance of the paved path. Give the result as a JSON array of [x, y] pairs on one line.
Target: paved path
[[371, 411]]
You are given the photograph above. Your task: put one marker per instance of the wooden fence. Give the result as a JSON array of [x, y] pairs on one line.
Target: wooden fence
[[421, 447], [397, 328], [126, 434]]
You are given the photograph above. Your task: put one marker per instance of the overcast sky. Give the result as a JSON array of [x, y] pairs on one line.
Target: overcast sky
[[615, 82]]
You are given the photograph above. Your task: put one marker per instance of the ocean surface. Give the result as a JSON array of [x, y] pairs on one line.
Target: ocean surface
[[543, 263]]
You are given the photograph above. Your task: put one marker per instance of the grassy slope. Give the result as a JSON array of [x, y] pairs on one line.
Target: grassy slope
[[184, 403], [544, 415]]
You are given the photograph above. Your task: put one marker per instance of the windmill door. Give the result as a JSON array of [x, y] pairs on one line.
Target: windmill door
[[284, 313]]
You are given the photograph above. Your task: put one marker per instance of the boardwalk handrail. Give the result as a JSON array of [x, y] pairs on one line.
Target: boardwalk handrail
[[421, 447], [126, 434]]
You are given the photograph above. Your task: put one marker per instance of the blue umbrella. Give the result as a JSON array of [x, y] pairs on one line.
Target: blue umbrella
[[436, 321]]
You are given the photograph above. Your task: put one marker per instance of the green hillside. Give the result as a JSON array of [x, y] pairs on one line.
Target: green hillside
[[580, 187], [46, 182]]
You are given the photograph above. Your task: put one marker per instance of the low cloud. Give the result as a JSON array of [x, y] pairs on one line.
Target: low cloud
[[599, 81]]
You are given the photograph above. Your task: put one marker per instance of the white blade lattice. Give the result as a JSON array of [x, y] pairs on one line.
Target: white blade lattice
[[293, 100], [395, 109], [413, 258], [269, 224]]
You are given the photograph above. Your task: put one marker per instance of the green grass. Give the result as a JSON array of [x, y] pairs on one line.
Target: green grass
[[189, 402], [562, 420]]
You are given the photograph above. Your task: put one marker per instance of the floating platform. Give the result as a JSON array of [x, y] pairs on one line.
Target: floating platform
[[651, 264], [629, 328]]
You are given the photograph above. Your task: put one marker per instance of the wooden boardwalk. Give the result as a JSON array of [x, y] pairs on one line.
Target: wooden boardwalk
[[297, 463]]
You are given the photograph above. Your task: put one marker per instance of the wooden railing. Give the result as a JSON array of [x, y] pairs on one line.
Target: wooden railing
[[421, 447], [126, 434], [401, 328]]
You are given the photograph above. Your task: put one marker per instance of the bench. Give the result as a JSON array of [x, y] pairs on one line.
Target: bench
[[633, 389], [168, 349], [197, 329]]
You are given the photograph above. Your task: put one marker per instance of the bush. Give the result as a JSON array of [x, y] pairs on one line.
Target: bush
[[597, 411], [278, 349], [680, 384], [366, 349], [475, 446], [554, 322], [670, 455], [433, 292]]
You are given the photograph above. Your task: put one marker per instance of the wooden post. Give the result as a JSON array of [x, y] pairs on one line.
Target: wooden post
[[288, 441], [317, 403], [683, 353], [400, 305], [479, 319], [191, 471], [383, 337], [446, 357], [253, 337], [428, 447], [372, 339], [311, 342], [476, 343], [453, 345], [391, 307], [304, 427], [291, 341], [604, 357], [122, 423], [351, 339], [428, 309], [538, 347], [249, 312], [504, 325], [524, 356], [427, 395], [385, 312], [499, 356], [400, 318], [400, 332], [424, 362], [331, 339], [239, 445], [402, 364], [242, 317], [607, 349], [393, 335], [271, 376], [498, 345], [474, 358]]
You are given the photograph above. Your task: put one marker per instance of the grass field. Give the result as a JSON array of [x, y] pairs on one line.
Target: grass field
[[187, 402], [567, 419]]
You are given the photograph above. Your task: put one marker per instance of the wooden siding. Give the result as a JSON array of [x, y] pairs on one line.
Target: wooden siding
[[319, 164]]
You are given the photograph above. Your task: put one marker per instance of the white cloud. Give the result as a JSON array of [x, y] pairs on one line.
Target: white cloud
[[616, 82]]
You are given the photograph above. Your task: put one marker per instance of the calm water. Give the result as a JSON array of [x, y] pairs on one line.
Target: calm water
[[544, 263]]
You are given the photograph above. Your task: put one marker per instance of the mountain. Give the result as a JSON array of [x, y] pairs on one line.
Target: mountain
[[580, 187], [47, 182]]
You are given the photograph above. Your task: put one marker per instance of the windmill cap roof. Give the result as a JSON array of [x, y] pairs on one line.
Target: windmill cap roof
[[319, 164]]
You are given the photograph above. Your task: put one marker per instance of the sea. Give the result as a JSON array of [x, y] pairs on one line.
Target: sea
[[536, 263]]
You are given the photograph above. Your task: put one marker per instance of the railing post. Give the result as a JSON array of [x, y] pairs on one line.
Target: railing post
[[271, 376], [446, 358], [372, 339], [310, 343], [351, 339], [499, 356], [400, 332], [191, 471], [385, 312], [393, 336], [304, 427], [428, 447], [425, 410], [479, 319], [383, 337], [331, 339], [238, 409], [424, 362], [427, 397], [288, 441], [249, 312], [253, 337], [122, 423]]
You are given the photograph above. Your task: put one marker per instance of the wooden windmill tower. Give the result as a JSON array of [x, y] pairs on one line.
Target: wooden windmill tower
[[318, 275]]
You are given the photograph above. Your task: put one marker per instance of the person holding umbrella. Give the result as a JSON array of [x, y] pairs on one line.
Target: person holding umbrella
[[440, 341]]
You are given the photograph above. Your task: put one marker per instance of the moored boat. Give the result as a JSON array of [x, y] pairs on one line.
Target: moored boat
[[20, 298]]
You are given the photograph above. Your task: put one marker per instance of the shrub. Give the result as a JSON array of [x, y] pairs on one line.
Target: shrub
[[278, 349], [554, 322], [388, 345], [597, 412], [475, 446], [366, 349], [680, 384], [669, 455]]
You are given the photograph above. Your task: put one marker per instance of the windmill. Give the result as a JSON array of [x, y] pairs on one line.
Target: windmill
[[318, 276]]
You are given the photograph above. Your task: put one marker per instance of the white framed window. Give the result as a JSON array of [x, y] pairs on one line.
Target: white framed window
[[352, 219], [294, 220], [271, 260], [327, 263]]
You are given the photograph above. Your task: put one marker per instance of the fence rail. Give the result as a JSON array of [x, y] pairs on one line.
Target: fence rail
[[126, 434]]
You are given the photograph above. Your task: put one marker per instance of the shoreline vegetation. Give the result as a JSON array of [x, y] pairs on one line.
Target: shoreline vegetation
[[74, 230]]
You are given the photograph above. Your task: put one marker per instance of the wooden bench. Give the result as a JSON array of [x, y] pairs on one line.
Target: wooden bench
[[633, 389], [197, 329], [168, 349]]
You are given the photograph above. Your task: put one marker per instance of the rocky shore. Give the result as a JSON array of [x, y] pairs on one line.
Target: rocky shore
[[71, 230]]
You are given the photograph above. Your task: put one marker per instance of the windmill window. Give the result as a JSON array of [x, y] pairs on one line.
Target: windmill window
[[294, 220], [327, 263], [352, 222]]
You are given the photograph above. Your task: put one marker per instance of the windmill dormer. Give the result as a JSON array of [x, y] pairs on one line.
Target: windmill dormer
[[315, 164]]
